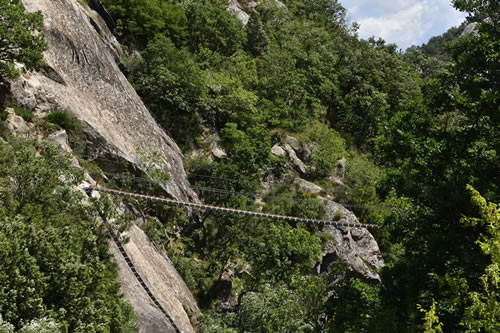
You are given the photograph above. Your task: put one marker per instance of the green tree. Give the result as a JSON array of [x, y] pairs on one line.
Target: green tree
[[54, 259], [173, 86], [257, 40], [284, 252], [21, 37], [213, 28], [483, 311], [139, 21]]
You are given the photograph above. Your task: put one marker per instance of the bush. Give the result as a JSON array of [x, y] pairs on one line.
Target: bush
[[65, 120], [22, 112], [329, 148]]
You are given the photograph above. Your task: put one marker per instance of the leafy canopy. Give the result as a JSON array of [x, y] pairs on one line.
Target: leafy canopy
[[21, 37]]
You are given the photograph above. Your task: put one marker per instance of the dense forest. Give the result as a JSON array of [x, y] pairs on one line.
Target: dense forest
[[419, 130]]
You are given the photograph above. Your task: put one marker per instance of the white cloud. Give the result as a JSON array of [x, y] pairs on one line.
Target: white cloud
[[404, 22]]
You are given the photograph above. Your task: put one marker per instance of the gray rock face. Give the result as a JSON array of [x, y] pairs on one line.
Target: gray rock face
[[82, 55], [16, 124], [60, 138], [82, 76], [309, 187], [278, 151], [356, 248], [235, 9], [298, 164], [471, 28], [301, 148], [161, 278]]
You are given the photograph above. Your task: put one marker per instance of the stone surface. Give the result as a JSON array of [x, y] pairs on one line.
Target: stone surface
[[60, 138], [471, 28], [16, 124], [218, 152], [278, 151], [308, 186], [235, 9], [293, 142], [83, 53], [161, 278], [355, 247], [301, 148], [297, 163]]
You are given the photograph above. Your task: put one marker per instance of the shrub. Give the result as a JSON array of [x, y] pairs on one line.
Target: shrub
[[65, 120], [23, 112]]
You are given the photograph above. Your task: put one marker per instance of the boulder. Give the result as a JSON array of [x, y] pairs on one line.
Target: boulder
[[354, 247], [293, 142], [471, 28], [308, 186], [278, 151], [235, 9], [15, 124], [297, 163], [218, 152], [60, 138], [301, 148]]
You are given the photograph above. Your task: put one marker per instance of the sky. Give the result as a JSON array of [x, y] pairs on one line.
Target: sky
[[404, 22]]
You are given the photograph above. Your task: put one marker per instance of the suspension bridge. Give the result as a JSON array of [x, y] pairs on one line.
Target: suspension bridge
[[195, 205]]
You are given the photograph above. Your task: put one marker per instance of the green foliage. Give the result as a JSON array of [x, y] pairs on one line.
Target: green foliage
[[284, 252], [417, 129], [21, 38], [212, 27], [290, 200], [249, 149], [356, 303], [431, 321], [22, 112], [329, 147], [257, 40], [483, 311], [139, 21], [55, 266], [437, 45], [65, 120], [278, 308], [173, 86]]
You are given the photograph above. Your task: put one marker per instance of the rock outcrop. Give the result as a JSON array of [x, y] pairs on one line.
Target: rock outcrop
[[163, 281], [15, 124], [82, 76], [356, 248], [292, 156], [235, 9]]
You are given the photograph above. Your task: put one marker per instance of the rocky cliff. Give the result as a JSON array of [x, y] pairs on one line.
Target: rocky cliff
[[82, 76]]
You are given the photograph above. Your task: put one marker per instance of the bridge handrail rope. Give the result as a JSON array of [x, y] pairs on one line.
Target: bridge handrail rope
[[250, 195], [229, 210]]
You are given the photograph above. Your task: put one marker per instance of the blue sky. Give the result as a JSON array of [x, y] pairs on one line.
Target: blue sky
[[404, 22]]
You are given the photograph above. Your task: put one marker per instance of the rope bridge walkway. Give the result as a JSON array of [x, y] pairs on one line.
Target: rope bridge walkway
[[228, 210]]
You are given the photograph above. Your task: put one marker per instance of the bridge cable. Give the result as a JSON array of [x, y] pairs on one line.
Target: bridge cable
[[228, 210]]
